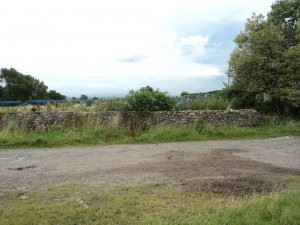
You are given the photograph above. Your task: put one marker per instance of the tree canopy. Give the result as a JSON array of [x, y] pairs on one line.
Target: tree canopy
[[17, 86], [83, 97], [267, 57], [54, 95]]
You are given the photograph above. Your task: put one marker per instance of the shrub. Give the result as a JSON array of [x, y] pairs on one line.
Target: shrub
[[148, 99], [243, 101]]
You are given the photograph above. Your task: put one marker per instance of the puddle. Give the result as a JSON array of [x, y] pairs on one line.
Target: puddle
[[22, 168]]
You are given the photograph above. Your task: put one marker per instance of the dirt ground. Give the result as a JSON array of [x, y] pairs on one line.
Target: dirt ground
[[226, 167]]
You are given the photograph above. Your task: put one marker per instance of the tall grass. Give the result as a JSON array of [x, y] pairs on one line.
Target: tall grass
[[148, 204], [114, 104], [215, 103], [91, 135], [111, 104]]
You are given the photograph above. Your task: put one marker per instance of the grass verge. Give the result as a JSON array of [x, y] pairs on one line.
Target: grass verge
[[148, 204], [14, 138]]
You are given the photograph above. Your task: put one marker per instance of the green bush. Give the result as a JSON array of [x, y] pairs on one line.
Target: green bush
[[239, 99], [243, 101], [148, 99]]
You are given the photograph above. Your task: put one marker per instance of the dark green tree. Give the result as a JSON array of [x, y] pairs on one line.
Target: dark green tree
[[267, 57], [17, 86], [184, 93], [254, 63], [54, 95], [286, 14], [83, 97]]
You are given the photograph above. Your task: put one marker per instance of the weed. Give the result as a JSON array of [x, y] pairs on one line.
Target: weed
[[147, 204], [90, 135]]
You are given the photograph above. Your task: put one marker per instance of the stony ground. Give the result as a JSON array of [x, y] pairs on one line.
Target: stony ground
[[220, 166]]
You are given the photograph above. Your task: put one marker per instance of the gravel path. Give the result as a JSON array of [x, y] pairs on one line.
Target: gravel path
[[31, 169]]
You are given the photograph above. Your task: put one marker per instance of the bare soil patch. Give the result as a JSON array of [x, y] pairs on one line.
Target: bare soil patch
[[239, 186], [219, 171]]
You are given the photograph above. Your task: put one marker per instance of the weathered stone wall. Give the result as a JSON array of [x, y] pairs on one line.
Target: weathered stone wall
[[47, 120]]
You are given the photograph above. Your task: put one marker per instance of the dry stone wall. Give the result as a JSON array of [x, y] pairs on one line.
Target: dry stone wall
[[48, 120]]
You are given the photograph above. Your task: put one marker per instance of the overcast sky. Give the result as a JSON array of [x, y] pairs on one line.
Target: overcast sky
[[105, 48]]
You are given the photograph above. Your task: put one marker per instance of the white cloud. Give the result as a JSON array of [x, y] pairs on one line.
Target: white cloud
[[193, 46], [79, 43]]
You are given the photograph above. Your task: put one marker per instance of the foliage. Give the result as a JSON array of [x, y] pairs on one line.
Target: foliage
[[199, 104], [54, 95], [291, 96], [83, 97], [200, 126], [17, 86], [91, 135], [148, 99], [184, 93], [218, 104], [266, 59], [285, 14], [215, 103], [243, 99], [113, 104]]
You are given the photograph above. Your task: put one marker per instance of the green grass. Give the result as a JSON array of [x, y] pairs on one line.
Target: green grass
[[14, 138], [210, 104], [148, 204]]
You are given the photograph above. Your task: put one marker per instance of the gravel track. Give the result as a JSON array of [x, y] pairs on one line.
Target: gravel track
[[184, 162]]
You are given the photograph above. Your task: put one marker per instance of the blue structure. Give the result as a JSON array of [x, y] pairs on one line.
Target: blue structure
[[37, 102], [10, 103], [41, 102]]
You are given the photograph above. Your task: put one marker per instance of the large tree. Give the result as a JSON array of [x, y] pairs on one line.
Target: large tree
[[17, 86], [267, 57]]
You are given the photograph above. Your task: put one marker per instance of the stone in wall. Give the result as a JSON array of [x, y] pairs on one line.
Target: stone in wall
[[48, 120]]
